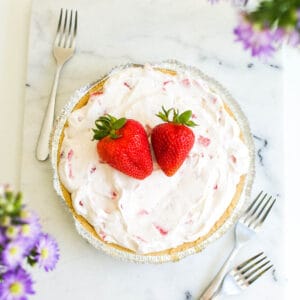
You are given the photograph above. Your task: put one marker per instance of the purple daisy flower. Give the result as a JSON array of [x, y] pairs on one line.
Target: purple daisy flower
[[13, 253], [47, 252], [30, 232], [16, 285], [259, 41]]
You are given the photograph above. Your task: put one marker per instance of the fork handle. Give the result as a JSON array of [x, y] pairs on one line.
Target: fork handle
[[42, 149], [210, 291]]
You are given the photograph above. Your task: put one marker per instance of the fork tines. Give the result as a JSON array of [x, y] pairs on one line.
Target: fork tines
[[258, 211], [66, 29], [250, 270]]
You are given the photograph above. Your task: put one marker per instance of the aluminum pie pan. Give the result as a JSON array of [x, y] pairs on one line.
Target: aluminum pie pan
[[242, 121]]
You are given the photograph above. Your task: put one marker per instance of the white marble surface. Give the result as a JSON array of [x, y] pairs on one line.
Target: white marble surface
[[114, 32]]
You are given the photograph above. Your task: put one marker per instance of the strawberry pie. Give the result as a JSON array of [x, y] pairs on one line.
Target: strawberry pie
[[158, 212]]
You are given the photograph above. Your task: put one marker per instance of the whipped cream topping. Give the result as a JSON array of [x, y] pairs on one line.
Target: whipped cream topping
[[159, 212]]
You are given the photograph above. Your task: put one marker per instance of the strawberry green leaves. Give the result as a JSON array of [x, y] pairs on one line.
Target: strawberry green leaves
[[108, 125], [183, 118]]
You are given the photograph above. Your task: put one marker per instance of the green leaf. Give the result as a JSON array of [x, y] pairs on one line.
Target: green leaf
[[99, 136], [191, 123], [9, 196], [176, 116], [18, 200], [110, 118], [162, 116], [164, 111], [105, 121], [115, 136], [185, 116], [119, 123], [31, 261]]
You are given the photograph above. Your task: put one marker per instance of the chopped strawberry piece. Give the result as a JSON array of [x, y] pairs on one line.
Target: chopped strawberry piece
[[233, 158], [161, 230], [166, 82], [80, 203], [92, 170], [102, 235], [186, 82], [204, 141], [127, 85], [69, 157], [114, 195], [143, 212], [70, 171], [189, 221], [70, 154], [141, 239], [216, 187]]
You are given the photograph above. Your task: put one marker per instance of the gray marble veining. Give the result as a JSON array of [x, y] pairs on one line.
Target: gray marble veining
[[113, 32]]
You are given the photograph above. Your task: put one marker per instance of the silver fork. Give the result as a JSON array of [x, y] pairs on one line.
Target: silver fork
[[63, 50], [246, 227], [244, 275]]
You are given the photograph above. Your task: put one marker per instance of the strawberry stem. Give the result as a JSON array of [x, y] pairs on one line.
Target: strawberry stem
[[183, 118], [108, 125]]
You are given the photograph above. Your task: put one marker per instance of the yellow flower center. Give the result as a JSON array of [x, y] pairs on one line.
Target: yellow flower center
[[26, 229], [44, 253], [5, 221], [11, 232], [13, 250], [25, 214], [16, 288]]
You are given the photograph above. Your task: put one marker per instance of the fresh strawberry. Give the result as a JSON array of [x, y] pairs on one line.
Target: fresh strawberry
[[172, 141], [123, 144]]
